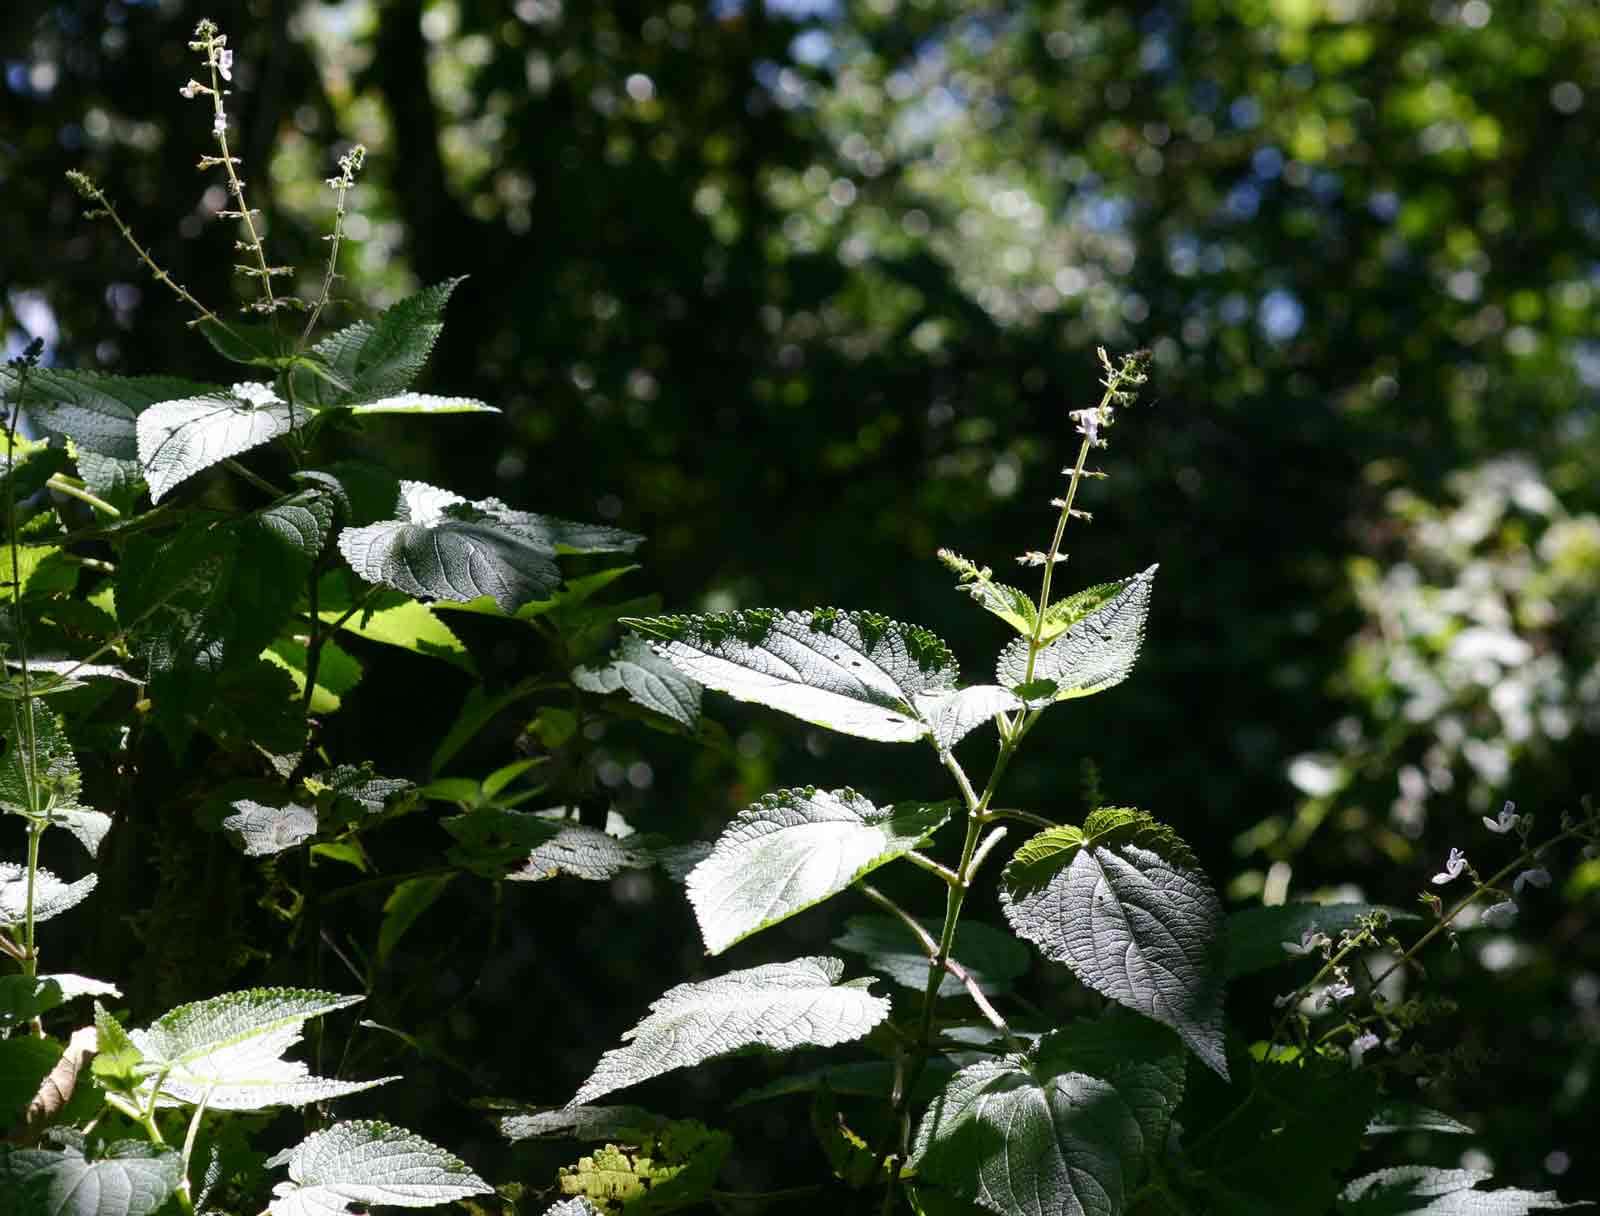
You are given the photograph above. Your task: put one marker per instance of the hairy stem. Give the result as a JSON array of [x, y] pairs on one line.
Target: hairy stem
[[349, 164]]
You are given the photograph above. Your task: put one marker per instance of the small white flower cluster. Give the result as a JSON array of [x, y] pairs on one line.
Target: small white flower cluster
[[219, 58], [1503, 914]]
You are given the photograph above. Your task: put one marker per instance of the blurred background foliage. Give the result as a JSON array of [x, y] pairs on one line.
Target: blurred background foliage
[[804, 290]]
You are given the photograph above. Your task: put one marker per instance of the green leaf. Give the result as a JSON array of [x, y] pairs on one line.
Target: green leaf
[[266, 831], [380, 358], [55, 768], [621, 1124], [1016, 608], [579, 1206], [125, 1178], [180, 438], [422, 403], [51, 896], [24, 997], [991, 957], [1143, 1060], [363, 492], [116, 1063], [26, 467], [395, 620], [648, 679], [1440, 1192], [230, 1047], [854, 672], [364, 1163], [1253, 938], [1395, 1117], [257, 343], [583, 851], [795, 848], [1096, 652], [779, 1006], [858, 1079], [98, 413], [406, 903], [674, 1168], [1294, 1128], [119, 482], [39, 571], [951, 716], [440, 546], [1123, 904], [24, 1064], [338, 673], [1023, 1139]]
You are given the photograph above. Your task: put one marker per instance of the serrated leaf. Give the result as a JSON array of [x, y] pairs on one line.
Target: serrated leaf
[[648, 679], [1440, 1192], [779, 1006], [1024, 1140], [268, 830], [396, 620], [795, 848], [54, 770], [230, 1047], [366, 1163], [118, 482], [581, 851], [23, 997], [672, 1168], [1295, 1127], [383, 357], [1252, 938], [1016, 608], [126, 1178], [116, 1064], [1395, 1117], [951, 716], [51, 896], [1144, 1061], [858, 1079], [26, 466], [1123, 904], [25, 1062], [577, 1206], [991, 957], [178, 439], [1096, 652], [98, 413], [620, 1124], [406, 903], [854, 672], [423, 403], [255, 343], [440, 546]]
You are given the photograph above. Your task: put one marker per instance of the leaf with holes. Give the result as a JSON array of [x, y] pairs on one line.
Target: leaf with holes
[[362, 1163], [51, 895], [854, 672], [1122, 903], [1021, 1138], [648, 679], [779, 1006], [1097, 651], [227, 1051], [180, 438], [123, 1178], [795, 848]]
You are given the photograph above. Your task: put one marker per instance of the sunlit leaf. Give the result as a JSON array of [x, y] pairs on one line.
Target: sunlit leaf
[[1123, 904], [779, 1006], [422, 403], [795, 848], [180, 438], [854, 672], [1408, 1189], [123, 1178], [648, 679], [23, 997], [51, 895], [364, 1163], [1096, 652], [267, 830]]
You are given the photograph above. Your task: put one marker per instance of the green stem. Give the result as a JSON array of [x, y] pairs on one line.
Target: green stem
[[184, 1199], [30, 953], [1055, 549], [72, 488]]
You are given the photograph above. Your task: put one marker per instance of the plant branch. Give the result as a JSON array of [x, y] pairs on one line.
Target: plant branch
[[72, 488]]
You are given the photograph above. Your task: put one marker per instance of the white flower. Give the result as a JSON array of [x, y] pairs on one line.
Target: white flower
[[1501, 916], [192, 89], [1335, 994], [1311, 940], [1505, 821], [1539, 877], [225, 63], [1089, 423], [255, 393], [1360, 1047], [219, 125], [1452, 868]]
